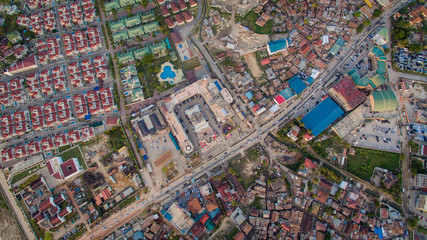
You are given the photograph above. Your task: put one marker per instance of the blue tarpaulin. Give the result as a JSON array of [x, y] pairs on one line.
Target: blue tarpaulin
[[218, 86]]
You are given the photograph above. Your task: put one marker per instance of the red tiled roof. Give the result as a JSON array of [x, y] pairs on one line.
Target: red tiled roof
[[204, 218], [45, 205], [68, 168], [265, 61]]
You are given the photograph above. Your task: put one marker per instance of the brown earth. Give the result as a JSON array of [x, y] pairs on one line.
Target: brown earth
[[9, 229]]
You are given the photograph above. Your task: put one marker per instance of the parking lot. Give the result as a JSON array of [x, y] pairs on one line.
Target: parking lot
[[381, 135]]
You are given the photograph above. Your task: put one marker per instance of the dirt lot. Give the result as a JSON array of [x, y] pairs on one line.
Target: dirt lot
[[253, 65], [8, 228], [96, 149]]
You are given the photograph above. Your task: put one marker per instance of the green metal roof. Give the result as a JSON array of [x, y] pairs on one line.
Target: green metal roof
[[334, 49], [117, 25], [158, 47], [377, 51], [125, 57], [147, 17], [133, 21], [14, 36], [383, 101], [138, 31], [384, 34], [111, 5], [123, 35], [382, 69], [151, 27], [377, 80], [340, 42], [141, 52], [124, 3]]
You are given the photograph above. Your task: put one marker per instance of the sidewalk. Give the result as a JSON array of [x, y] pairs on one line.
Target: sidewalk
[[16, 210]]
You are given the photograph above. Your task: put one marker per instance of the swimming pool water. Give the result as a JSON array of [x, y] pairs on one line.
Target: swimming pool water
[[167, 73]]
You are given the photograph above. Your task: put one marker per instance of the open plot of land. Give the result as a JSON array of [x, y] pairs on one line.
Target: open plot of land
[[245, 167], [253, 65], [365, 160], [249, 21], [191, 63], [96, 149]]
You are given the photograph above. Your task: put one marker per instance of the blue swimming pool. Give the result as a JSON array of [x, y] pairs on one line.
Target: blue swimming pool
[[167, 73]]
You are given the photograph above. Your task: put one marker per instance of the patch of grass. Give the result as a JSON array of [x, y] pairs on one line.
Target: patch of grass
[[63, 148], [215, 29], [191, 63], [295, 166], [116, 138], [236, 166], [18, 177], [365, 160], [78, 234], [29, 181], [126, 202], [256, 203], [249, 21], [74, 153], [36, 228], [232, 233], [331, 174]]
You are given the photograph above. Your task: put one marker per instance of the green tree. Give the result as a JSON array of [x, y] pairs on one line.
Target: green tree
[[48, 236], [357, 14], [144, 3], [377, 13], [366, 23], [128, 8], [413, 222], [360, 28], [147, 60], [416, 48]]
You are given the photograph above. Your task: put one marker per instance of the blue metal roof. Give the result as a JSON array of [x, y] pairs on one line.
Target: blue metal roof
[[322, 116], [287, 93], [249, 95], [278, 45], [297, 84], [310, 80]]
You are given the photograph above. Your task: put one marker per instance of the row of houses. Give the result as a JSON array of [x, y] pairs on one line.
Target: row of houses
[[46, 82], [88, 71], [94, 103], [47, 144], [179, 19], [40, 23], [132, 33], [51, 114], [175, 7], [49, 50], [157, 49], [82, 41], [77, 14]]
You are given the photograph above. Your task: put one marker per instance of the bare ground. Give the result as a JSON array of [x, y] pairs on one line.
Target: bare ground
[[253, 65], [8, 228], [220, 231]]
